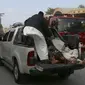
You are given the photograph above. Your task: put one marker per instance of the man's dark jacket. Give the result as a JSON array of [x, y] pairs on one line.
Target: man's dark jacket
[[39, 23]]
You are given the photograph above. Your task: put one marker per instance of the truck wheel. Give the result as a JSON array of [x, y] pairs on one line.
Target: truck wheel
[[65, 74], [16, 72], [1, 63]]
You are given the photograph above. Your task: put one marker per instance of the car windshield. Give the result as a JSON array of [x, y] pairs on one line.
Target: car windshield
[[71, 25]]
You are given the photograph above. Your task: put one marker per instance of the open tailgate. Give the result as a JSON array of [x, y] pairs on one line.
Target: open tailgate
[[55, 68], [59, 66]]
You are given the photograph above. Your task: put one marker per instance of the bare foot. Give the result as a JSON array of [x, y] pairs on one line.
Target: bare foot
[[82, 62], [73, 60], [55, 61]]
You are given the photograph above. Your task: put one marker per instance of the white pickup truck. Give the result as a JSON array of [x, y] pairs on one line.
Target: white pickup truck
[[17, 52]]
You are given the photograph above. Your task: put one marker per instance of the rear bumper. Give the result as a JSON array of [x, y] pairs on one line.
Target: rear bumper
[[78, 66], [54, 68]]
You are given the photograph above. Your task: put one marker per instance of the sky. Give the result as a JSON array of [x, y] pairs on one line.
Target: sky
[[20, 10]]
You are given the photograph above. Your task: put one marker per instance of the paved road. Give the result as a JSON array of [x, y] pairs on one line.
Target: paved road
[[78, 78]]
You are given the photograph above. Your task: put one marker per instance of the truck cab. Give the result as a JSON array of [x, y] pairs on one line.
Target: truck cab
[[70, 25]]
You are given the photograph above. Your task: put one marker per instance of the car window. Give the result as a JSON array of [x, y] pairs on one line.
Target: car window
[[10, 36], [28, 41], [20, 39], [71, 25], [5, 36]]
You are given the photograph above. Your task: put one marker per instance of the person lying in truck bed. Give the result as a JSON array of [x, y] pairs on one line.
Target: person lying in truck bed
[[57, 57], [69, 52]]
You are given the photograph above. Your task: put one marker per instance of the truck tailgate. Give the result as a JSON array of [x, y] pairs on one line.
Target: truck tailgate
[[54, 68], [57, 67]]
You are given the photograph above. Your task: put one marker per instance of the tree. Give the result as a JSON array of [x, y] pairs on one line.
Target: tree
[[1, 30], [50, 11], [6, 30], [1, 26], [81, 6]]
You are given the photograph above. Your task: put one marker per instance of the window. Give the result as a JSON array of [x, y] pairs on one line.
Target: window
[[20, 39], [5, 36], [11, 36], [71, 25], [28, 41]]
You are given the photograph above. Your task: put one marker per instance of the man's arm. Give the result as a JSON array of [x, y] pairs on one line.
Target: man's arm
[[46, 30]]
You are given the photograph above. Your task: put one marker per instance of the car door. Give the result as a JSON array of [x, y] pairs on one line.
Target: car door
[[9, 46], [1, 46], [4, 45]]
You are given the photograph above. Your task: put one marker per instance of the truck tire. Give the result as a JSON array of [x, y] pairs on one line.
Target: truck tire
[[65, 74], [1, 63], [16, 73]]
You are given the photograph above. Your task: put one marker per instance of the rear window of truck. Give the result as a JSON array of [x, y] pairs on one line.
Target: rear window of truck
[[23, 40]]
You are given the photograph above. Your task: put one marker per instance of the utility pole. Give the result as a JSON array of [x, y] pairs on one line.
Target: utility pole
[[1, 14], [1, 28]]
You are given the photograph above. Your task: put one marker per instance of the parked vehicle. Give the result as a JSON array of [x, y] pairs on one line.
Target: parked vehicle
[[71, 25], [17, 52]]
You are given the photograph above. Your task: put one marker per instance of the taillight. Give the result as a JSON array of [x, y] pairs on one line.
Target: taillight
[[30, 58], [61, 33]]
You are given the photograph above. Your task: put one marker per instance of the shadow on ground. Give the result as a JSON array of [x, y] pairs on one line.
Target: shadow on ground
[[42, 80]]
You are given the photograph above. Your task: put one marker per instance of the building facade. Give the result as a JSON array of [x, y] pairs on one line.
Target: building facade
[[78, 12]]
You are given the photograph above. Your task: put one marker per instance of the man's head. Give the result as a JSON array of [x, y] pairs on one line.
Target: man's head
[[41, 13], [54, 23]]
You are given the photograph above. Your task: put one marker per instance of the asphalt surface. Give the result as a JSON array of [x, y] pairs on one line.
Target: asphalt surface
[[6, 78]]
